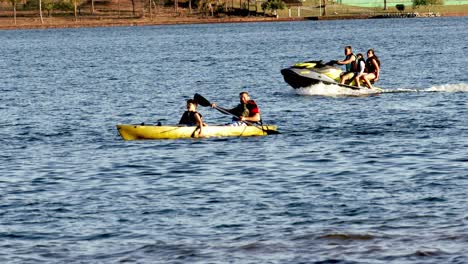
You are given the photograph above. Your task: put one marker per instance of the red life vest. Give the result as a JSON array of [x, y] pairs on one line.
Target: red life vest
[[246, 110]]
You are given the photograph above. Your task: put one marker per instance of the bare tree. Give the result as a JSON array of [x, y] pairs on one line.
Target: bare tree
[[151, 9], [385, 5], [13, 4], [14, 10], [75, 8], [40, 11], [324, 12]]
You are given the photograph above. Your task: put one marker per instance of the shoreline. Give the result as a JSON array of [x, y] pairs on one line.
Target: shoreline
[[28, 23], [52, 23]]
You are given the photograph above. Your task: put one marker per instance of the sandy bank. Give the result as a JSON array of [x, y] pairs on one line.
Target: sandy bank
[[7, 23], [35, 23]]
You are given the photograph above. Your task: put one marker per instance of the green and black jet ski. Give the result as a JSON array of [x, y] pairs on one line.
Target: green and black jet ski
[[306, 74]]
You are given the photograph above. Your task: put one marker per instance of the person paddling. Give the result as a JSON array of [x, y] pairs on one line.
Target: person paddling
[[192, 118], [247, 110]]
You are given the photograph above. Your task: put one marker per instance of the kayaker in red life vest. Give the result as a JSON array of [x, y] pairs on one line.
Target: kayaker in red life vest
[[192, 118], [247, 110]]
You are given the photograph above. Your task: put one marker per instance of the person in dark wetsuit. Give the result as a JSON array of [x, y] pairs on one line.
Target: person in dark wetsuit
[[192, 118], [247, 110]]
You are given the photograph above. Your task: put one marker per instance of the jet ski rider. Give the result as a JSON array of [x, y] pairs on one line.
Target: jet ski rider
[[247, 110], [361, 68], [350, 62], [372, 68]]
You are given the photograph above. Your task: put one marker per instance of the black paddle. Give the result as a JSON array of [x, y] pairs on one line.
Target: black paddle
[[204, 102]]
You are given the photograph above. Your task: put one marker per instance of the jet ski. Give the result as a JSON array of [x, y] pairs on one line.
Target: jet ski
[[306, 74]]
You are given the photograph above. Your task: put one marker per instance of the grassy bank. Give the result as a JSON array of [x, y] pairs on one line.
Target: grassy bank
[[337, 10]]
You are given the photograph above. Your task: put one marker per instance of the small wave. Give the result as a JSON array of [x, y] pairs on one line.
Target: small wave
[[334, 261], [264, 247], [433, 199], [342, 236], [99, 236], [427, 253], [167, 251]]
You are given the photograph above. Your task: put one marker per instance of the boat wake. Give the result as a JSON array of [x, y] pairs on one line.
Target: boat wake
[[446, 88], [450, 88], [336, 90]]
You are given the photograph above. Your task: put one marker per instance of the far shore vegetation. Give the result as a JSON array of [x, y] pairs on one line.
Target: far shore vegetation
[[24, 13]]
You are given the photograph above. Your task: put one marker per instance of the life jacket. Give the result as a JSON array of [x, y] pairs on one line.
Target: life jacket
[[352, 66], [188, 118], [370, 68], [359, 65], [246, 110]]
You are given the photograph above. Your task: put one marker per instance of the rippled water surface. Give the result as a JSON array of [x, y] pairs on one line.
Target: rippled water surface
[[351, 179]]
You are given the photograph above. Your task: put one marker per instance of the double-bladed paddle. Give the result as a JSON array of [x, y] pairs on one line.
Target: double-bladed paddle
[[204, 102]]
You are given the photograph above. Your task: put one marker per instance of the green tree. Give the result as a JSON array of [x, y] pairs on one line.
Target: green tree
[[273, 5], [63, 5], [428, 3], [400, 7], [48, 6]]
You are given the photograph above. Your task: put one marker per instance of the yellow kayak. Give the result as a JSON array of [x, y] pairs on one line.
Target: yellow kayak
[[134, 132]]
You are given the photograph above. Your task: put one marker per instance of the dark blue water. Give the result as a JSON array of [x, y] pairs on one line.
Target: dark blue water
[[351, 179]]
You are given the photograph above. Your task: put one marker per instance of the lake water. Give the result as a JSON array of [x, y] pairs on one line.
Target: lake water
[[351, 179]]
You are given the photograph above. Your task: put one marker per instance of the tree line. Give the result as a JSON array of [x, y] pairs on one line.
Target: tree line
[[211, 7]]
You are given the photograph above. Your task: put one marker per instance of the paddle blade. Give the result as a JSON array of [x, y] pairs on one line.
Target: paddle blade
[[201, 100], [267, 129], [272, 132]]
